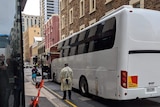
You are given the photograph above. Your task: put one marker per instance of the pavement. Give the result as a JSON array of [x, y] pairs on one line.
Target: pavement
[[46, 99]]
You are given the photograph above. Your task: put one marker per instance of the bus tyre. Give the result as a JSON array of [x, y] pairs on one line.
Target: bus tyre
[[83, 86]]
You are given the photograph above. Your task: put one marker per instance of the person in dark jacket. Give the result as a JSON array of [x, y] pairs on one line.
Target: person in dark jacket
[[3, 86]]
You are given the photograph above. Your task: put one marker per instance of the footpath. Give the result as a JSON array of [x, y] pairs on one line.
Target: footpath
[[46, 98]]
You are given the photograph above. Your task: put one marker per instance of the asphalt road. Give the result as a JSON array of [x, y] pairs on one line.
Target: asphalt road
[[93, 101]]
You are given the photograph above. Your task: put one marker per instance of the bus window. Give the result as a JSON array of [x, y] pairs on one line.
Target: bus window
[[60, 45], [66, 43], [91, 46], [103, 43], [81, 48], [62, 53], [73, 51], [83, 35], [92, 31], [86, 47], [99, 29], [109, 27], [74, 39]]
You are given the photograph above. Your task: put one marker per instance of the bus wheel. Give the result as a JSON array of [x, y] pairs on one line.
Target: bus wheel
[[83, 86]]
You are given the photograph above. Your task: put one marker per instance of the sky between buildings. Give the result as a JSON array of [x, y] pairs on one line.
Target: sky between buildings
[[32, 7]]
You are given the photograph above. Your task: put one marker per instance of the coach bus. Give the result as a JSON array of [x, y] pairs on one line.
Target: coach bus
[[116, 58]]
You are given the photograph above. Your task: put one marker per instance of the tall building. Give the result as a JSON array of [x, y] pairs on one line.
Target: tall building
[[88, 12], [28, 40], [47, 8], [29, 21], [51, 32]]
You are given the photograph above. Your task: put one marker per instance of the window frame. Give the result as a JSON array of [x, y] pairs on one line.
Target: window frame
[[132, 2], [108, 1], [92, 6], [63, 22], [82, 8], [71, 16]]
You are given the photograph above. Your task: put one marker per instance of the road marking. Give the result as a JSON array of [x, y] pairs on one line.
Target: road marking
[[67, 101], [70, 103], [53, 92]]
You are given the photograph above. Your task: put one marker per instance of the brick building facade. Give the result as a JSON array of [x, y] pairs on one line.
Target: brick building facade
[[71, 10]]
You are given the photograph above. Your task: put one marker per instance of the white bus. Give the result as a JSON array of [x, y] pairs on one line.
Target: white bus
[[116, 58]]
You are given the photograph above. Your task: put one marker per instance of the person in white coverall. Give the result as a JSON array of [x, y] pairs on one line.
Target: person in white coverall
[[66, 76]]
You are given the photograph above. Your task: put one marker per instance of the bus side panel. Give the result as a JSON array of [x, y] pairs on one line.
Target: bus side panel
[[106, 73]]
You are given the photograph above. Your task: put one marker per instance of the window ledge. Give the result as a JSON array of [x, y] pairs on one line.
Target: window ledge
[[92, 11], [81, 16], [108, 1]]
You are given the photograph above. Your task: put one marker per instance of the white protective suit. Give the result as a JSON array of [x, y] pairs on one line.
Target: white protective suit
[[66, 73]]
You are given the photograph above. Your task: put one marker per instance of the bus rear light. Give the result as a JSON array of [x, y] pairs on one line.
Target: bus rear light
[[124, 76]]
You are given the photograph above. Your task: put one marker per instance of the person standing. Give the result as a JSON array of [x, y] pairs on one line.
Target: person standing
[[4, 85], [34, 73], [66, 76]]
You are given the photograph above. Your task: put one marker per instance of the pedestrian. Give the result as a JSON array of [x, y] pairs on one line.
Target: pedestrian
[[11, 70], [66, 76], [34, 73], [4, 85]]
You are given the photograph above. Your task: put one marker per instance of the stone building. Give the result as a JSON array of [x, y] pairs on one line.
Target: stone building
[[78, 14]]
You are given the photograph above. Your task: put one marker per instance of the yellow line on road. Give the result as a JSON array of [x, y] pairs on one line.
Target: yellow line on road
[[53, 92], [70, 103], [67, 101]]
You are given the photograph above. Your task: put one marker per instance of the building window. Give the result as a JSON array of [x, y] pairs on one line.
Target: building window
[[92, 21], [82, 8], [137, 3], [92, 6], [71, 16], [31, 23], [71, 32], [157, 5], [63, 21], [82, 27], [62, 4], [63, 36], [70, 1], [27, 23], [108, 1]]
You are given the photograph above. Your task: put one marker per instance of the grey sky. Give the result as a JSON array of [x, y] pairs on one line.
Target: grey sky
[[7, 12], [32, 7]]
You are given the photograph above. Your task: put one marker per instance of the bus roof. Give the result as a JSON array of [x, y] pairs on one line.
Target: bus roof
[[107, 16]]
